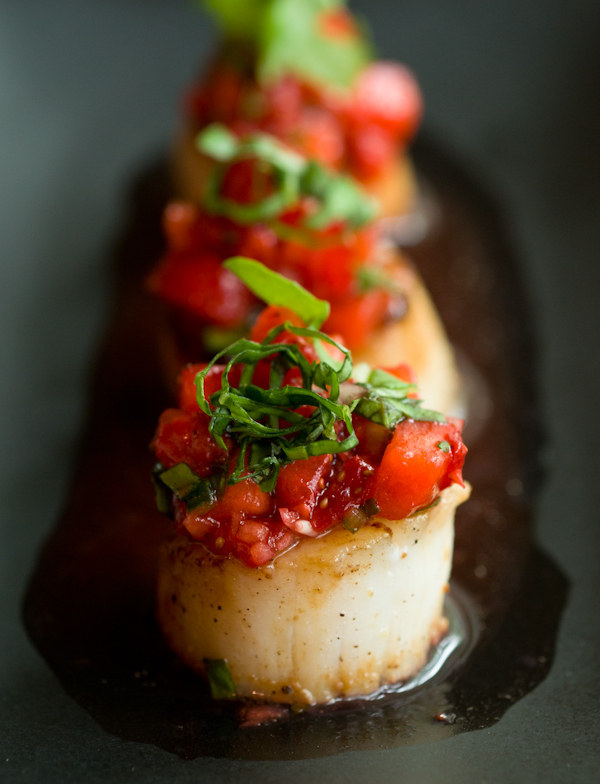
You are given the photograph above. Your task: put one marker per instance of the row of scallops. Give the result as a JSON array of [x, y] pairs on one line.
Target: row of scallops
[[312, 488]]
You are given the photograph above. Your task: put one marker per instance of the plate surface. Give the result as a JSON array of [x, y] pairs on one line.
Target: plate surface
[[87, 102]]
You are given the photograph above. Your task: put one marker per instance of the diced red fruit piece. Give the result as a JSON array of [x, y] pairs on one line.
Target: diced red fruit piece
[[271, 317], [198, 525], [318, 134], [387, 94], [258, 242], [414, 469], [356, 318], [188, 400], [300, 483], [261, 553], [246, 183], [283, 102], [349, 487], [244, 499], [337, 23], [403, 371], [178, 222], [372, 438], [371, 147], [183, 437], [200, 284]]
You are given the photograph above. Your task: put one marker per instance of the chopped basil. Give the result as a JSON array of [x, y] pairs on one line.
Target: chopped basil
[[238, 18], [337, 198], [422, 509], [267, 424], [386, 401], [188, 486], [162, 493], [370, 278], [290, 37], [218, 142], [444, 446], [220, 681], [293, 39], [274, 289], [253, 416]]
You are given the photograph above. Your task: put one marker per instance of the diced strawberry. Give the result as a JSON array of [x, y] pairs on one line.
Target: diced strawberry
[[387, 94], [300, 483], [421, 460], [199, 283]]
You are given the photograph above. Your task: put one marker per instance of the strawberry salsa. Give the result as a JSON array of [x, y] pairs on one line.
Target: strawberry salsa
[[268, 203], [318, 89], [277, 444], [362, 132]]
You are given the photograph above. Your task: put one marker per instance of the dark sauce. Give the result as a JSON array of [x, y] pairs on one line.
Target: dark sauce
[[89, 607]]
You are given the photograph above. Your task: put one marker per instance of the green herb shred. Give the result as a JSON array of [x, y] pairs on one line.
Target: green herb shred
[[288, 37], [219, 678], [336, 197]]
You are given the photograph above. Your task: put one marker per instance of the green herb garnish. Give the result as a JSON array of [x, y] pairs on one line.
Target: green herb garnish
[[180, 481], [369, 278], [336, 197], [267, 424], [274, 289], [276, 425], [386, 401], [269, 430], [237, 18], [289, 37], [220, 681]]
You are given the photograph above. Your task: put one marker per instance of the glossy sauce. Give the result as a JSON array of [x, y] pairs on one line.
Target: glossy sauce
[[89, 608]]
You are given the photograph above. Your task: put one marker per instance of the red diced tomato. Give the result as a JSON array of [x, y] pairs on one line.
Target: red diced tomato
[[337, 23], [201, 285], [373, 438], [356, 318], [245, 182], [271, 317], [244, 499], [183, 437], [283, 102], [387, 94], [415, 467], [300, 483], [198, 525], [349, 486], [178, 222], [188, 400], [261, 553], [371, 147], [318, 134]]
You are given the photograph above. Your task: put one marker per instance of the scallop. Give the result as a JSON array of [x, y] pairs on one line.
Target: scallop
[[417, 338], [338, 616]]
